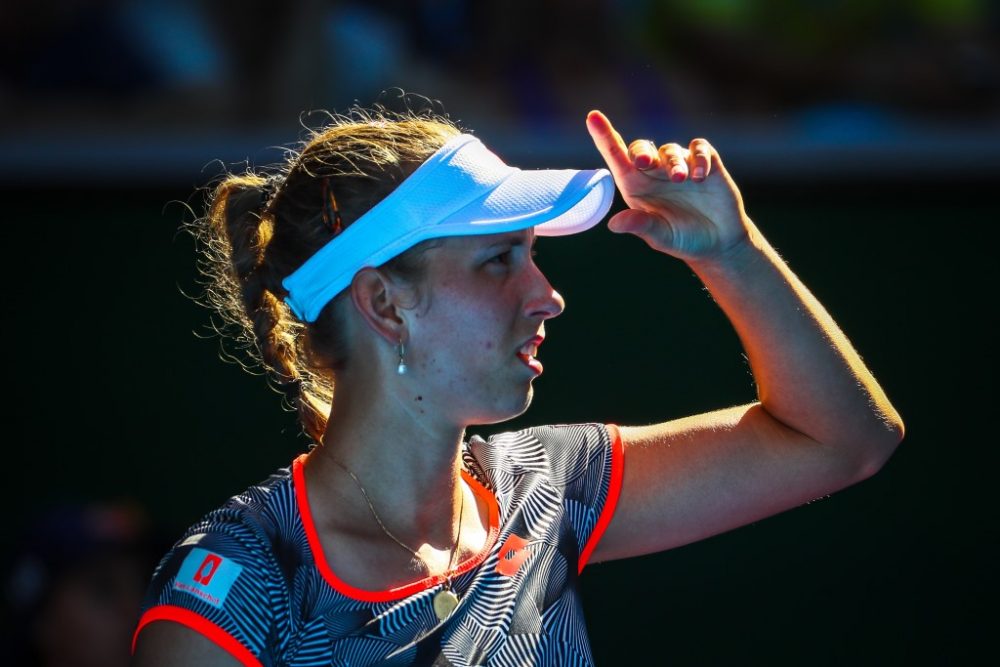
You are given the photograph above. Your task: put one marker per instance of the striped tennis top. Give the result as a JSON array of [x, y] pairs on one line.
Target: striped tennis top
[[251, 575]]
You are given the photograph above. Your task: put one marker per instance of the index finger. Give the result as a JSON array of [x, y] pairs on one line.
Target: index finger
[[609, 143]]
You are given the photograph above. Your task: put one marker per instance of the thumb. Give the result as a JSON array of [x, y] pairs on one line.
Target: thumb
[[654, 231], [632, 221]]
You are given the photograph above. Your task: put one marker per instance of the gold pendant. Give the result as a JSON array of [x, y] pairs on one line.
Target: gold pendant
[[444, 603]]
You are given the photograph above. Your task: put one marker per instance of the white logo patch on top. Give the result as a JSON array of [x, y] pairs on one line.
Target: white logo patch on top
[[207, 576]]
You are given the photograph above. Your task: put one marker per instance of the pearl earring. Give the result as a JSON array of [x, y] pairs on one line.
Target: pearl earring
[[401, 369]]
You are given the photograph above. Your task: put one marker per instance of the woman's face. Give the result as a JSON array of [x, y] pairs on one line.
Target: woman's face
[[486, 297]]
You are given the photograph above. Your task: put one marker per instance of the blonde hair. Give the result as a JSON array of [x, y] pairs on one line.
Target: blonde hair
[[260, 227]]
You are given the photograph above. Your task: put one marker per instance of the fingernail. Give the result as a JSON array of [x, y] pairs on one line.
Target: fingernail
[[699, 173], [643, 161], [677, 176]]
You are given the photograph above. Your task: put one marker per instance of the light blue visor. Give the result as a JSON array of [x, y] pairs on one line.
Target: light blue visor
[[462, 189]]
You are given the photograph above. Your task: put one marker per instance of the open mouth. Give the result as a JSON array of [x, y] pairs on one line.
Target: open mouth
[[528, 351]]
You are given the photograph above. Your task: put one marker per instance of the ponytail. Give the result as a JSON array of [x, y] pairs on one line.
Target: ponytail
[[268, 333], [259, 229]]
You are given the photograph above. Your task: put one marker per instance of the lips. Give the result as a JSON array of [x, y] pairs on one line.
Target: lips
[[526, 353], [530, 347]]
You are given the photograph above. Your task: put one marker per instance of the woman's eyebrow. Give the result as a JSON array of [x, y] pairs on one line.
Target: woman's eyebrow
[[512, 241]]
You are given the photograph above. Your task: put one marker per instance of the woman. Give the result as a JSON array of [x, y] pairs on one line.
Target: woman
[[391, 261]]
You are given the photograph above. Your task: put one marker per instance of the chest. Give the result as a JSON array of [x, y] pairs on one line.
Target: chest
[[518, 602]]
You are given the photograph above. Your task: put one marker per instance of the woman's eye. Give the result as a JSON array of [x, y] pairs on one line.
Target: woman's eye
[[502, 257]]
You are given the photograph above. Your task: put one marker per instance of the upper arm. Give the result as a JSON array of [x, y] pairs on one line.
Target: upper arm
[[691, 478], [169, 644]]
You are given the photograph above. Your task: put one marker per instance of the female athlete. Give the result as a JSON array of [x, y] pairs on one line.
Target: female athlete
[[386, 278]]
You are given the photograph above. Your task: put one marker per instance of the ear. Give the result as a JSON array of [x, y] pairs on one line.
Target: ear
[[379, 301]]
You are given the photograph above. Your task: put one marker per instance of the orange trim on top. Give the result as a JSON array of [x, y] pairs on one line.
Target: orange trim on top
[[299, 480], [201, 625], [614, 490]]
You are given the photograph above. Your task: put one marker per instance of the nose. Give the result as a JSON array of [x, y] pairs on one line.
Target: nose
[[543, 300]]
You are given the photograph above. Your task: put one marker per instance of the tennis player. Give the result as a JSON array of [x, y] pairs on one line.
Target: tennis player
[[384, 278]]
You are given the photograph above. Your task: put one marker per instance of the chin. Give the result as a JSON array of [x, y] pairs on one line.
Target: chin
[[513, 412]]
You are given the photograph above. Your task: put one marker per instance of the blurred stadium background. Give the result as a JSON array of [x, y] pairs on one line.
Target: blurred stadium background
[[865, 137]]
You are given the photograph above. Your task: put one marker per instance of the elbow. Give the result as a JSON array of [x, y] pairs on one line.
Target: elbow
[[880, 447]]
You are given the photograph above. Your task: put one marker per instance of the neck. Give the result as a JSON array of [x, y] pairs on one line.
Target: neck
[[409, 466]]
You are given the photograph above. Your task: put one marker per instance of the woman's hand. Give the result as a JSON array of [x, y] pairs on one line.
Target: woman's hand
[[681, 201]]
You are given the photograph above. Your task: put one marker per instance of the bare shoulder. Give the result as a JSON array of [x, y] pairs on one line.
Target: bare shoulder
[[169, 644]]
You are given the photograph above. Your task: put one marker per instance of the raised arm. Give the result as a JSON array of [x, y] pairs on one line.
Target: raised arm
[[821, 423]]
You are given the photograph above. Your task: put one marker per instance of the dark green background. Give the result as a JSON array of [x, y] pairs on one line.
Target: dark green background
[[112, 395]]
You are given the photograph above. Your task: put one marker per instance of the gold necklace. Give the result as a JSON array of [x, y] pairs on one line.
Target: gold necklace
[[445, 600]]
